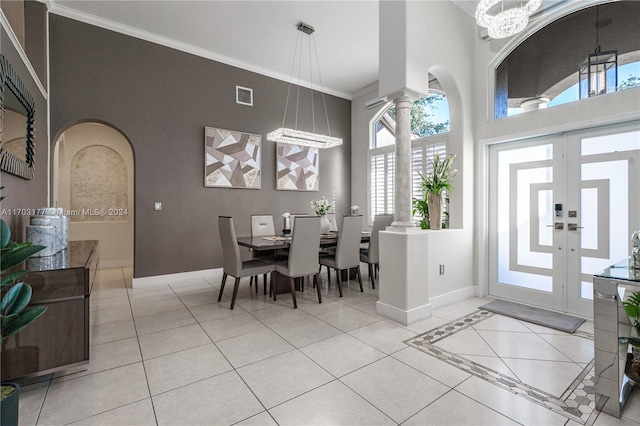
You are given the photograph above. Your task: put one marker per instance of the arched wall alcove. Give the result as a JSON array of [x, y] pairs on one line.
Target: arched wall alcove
[[461, 144], [93, 180]]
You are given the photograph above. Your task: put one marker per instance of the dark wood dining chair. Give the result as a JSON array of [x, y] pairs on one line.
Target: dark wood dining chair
[[371, 254], [347, 254], [232, 261], [303, 255]]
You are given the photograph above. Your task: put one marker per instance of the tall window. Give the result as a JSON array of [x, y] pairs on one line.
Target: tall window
[[429, 133]]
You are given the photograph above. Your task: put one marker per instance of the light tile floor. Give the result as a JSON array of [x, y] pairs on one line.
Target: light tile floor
[[171, 354]]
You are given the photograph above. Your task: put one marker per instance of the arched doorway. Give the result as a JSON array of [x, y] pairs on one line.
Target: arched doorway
[[93, 180]]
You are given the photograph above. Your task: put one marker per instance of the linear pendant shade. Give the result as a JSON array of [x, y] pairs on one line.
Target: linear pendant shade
[[294, 136], [298, 137]]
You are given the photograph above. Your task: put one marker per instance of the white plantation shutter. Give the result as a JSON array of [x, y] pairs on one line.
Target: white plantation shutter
[[391, 181], [419, 165], [377, 192], [424, 150], [382, 172]]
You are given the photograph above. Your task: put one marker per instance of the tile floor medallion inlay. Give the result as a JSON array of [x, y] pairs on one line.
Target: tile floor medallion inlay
[[577, 402]]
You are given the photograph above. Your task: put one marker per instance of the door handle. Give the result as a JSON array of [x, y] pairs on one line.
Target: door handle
[[557, 225], [573, 226]]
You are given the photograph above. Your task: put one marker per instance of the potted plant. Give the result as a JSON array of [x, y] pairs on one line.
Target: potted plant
[[632, 308], [434, 186], [421, 206], [15, 313]]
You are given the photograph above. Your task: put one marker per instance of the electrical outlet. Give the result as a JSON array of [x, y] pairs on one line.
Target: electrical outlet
[[157, 205], [442, 269]]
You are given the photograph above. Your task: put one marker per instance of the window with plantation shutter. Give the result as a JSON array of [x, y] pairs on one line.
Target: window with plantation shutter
[[430, 135], [424, 150], [382, 172]]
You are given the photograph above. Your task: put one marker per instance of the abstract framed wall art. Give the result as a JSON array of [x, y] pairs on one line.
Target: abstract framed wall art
[[297, 168], [232, 159]]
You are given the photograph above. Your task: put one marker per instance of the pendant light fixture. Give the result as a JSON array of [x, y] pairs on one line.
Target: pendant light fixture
[[504, 18], [598, 73], [293, 135]]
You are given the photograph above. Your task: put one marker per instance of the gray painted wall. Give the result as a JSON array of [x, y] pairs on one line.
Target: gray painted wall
[[21, 193], [162, 99]]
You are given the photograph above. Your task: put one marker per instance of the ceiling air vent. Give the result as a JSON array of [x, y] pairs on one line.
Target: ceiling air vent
[[244, 96]]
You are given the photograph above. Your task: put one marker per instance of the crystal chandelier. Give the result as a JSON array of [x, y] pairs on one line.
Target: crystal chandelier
[[504, 22], [295, 136]]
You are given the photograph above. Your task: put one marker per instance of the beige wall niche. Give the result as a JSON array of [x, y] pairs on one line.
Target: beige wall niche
[[93, 182]]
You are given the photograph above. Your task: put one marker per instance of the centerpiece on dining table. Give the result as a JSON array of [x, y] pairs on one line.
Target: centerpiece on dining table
[[286, 224], [321, 207]]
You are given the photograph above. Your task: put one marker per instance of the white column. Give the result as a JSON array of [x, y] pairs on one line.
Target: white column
[[403, 164], [404, 292]]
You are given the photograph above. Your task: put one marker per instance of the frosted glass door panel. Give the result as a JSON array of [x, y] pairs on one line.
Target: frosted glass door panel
[[608, 203], [524, 211]]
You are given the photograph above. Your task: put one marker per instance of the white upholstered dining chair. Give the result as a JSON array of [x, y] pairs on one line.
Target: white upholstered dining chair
[[303, 255], [371, 254], [262, 226], [232, 261], [347, 255]]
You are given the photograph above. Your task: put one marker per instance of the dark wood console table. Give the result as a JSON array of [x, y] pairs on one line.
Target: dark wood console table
[[60, 338]]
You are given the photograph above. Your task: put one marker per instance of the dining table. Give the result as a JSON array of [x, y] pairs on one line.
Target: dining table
[[279, 242], [274, 243]]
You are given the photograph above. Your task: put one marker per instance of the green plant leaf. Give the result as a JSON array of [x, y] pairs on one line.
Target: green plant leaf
[[632, 305], [18, 322], [5, 234], [439, 180], [18, 255], [16, 299], [11, 278]]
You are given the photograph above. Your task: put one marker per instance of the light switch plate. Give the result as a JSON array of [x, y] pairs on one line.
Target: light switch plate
[[157, 205]]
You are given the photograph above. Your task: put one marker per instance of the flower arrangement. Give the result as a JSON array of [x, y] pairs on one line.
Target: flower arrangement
[[354, 210], [321, 206], [439, 180]]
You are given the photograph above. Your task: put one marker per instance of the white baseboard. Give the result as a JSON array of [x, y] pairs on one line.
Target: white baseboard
[[404, 317], [453, 297], [176, 279]]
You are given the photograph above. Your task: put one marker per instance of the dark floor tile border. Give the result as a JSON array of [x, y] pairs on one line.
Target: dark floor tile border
[[576, 403]]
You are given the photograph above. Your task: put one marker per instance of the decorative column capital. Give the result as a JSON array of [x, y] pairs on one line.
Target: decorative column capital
[[405, 95]]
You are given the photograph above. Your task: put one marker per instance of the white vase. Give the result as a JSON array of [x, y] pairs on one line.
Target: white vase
[[325, 225]]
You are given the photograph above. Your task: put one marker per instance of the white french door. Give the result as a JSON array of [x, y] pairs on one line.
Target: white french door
[[563, 207]]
